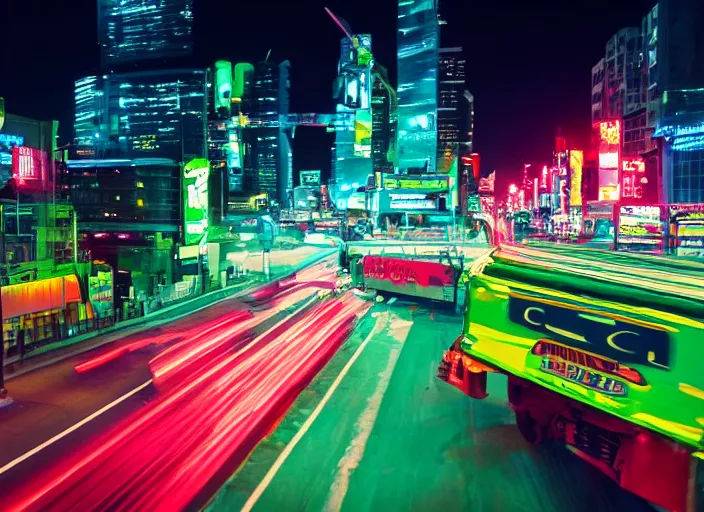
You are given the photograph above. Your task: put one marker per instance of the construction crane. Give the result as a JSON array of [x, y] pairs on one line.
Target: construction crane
[[378, 70]]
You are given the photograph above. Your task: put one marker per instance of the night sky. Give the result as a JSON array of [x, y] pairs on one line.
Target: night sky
[[529, 63]]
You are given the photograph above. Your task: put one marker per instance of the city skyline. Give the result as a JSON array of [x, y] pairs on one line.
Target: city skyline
[[509, 130]]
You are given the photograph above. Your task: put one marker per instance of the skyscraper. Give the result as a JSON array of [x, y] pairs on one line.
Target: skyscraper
[[268, 163], [87, 96], [452, 113], [157, 114], [353, 92], [384, 105], [132, 30], [418, 40]]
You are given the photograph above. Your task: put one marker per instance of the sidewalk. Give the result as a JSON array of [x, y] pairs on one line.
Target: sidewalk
[[283, 263]]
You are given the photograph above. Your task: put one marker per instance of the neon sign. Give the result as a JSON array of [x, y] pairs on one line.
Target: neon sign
[[634, 165], [544, 178], [610, 132], [7, 139], [195, 188]]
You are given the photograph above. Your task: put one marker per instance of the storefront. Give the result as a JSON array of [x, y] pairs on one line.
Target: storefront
[[599, 221], [38, 312], [687, 230]]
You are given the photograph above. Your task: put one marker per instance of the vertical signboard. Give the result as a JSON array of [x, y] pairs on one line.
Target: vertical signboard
[[223, 85], [576, 165], [2, 112], [195, 198], [545, 180], [609, 159]]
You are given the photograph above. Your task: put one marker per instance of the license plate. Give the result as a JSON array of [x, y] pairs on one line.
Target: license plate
[[583, 376]]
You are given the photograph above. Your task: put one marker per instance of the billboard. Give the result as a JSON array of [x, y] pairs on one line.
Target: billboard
[[411, 202], [310, 178], [195, 198], [641, 226], [363, 133], [30, 167], [576, 165], [438, 184]]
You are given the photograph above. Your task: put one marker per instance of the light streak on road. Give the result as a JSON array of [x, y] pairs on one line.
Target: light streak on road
[[220, 392]]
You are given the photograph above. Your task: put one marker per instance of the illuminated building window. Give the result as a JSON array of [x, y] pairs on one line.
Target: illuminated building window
[[140, 203]]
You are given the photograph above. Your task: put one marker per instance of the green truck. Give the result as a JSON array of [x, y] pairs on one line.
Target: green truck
[[603, 351]]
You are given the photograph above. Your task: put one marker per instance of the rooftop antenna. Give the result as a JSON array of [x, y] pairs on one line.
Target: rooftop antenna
[[267, 55]]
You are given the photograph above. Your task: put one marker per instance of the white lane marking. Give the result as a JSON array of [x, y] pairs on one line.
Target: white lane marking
[[254, 497], [365, 424], [72, 428]]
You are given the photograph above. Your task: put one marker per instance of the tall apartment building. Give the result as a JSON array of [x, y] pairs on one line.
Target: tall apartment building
[[418, 42], [452, 113], [650, 80]]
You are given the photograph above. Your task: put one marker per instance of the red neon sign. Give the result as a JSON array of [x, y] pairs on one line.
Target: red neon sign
[[29, 164], [634, 165]]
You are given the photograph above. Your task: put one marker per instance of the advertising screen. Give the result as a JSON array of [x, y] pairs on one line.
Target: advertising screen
[[641, 226], [576, 165], [436, 184], [311, 178], [363, 133], [195, 192]]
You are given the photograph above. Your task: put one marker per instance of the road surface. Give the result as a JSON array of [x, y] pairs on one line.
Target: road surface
[[85, 433], [322, 402], [391, 436]]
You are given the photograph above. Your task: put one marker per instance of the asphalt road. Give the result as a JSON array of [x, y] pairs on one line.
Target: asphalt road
[[66, 399], [383, 433], [50, 400]]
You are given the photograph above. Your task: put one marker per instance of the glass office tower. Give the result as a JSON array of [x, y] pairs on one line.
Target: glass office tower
[[154, 114], [131, 30], [418, 38]]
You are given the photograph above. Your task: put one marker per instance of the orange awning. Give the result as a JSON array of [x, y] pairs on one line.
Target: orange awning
[[36, 296]]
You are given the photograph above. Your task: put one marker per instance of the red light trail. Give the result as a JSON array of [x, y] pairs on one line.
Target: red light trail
[[220, 391]]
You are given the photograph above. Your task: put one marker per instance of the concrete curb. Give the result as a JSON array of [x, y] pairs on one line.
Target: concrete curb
[[122, 329]]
